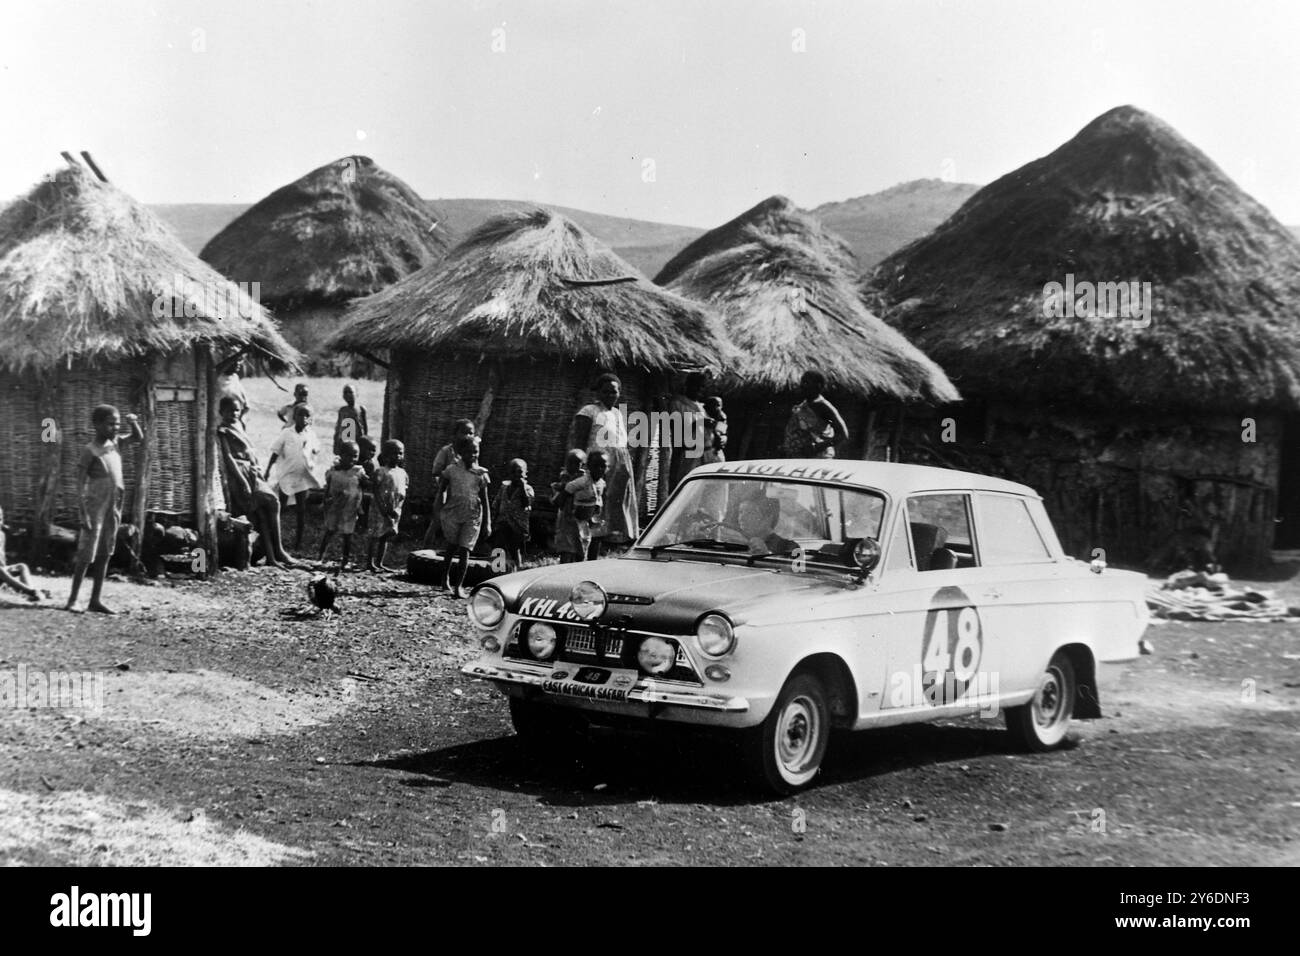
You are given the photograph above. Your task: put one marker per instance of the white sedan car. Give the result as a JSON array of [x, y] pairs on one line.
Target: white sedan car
[[775, 600]]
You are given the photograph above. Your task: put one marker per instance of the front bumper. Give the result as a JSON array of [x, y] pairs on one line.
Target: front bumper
[[521, 679]]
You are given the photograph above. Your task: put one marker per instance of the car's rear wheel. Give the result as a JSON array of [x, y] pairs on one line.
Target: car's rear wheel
[[1042, 724], [784, 753], [543, 723]]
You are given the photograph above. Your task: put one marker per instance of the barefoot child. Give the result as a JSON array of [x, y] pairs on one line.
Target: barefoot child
[[16, 575], [366, 460], [99, 477], [513, 509], [298, 451], [390, 495], [465, 512], [344, 486], [446, 455]]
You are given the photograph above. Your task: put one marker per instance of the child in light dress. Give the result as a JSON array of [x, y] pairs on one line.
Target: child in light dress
[[297, 452], [345, 484]]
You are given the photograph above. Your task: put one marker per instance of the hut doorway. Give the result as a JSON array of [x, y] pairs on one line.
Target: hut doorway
[[1287, 532]]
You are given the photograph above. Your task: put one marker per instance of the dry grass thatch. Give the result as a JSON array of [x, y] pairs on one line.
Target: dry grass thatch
[[82, 267], [344, 230], [1127, 199], [774, 216], [529, 283], [788, 308]]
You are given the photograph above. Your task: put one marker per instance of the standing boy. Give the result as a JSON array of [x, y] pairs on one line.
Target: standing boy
[[101, 490]]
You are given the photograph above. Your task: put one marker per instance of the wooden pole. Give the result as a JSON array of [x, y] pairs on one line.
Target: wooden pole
[[489, 395], [205, 458], [47, 489], [869, 427], [148, 425]]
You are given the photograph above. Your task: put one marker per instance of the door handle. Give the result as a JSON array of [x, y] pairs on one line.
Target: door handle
[[992, 594]]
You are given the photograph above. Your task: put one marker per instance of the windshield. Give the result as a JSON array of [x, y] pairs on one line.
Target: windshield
[[752, 517]]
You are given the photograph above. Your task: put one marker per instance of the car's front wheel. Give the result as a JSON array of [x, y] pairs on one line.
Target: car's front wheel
[[1041, 724], [785, 751]]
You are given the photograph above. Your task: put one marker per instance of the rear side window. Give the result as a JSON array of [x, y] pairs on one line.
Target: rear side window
[[1008, 534]]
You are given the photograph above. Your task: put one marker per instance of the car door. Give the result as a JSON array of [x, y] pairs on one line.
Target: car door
[[936, 641], [1023, 590]]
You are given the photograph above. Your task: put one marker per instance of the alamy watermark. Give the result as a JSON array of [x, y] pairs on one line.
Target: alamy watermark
[[25, 687], [682, 430], [1128, 302], [190, 298]]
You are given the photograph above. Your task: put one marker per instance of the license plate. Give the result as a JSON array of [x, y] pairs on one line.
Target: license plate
[[592, 683]]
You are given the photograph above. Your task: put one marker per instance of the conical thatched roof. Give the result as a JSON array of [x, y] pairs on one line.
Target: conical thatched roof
[[342, 231], [774, 216], [788, 308], [1128, 199], [533, 282], [88, 273]]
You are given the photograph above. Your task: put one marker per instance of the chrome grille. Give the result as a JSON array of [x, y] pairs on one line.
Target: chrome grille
[[583, 641]]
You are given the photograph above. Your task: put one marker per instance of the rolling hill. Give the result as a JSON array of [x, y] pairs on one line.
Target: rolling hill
[[880, 223], [647, 245], [874, 225]]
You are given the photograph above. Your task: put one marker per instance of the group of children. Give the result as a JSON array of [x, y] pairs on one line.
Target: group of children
[[357, 483]]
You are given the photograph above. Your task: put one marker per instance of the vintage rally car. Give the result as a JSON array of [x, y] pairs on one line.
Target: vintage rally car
[[778, 599]]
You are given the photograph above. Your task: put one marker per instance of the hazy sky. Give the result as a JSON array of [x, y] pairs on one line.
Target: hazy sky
[[567, 101]]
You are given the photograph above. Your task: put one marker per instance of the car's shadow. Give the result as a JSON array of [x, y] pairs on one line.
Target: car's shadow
[[611, 769]]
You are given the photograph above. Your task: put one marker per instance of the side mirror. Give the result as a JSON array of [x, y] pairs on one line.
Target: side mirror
[[1097, 565]]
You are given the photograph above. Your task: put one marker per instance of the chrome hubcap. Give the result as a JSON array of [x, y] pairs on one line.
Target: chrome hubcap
[[796, 738], [1050, 702]]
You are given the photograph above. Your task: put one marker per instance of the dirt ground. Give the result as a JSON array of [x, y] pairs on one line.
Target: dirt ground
[[233, 732]]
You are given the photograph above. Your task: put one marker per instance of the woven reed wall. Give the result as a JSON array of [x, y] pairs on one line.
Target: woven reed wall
[[532, 407], [1123, 482], [66, 398]]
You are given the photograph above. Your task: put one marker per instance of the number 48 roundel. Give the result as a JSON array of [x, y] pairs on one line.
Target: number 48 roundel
[[952, 647]]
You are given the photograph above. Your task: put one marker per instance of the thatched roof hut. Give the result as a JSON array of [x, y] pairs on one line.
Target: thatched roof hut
[[1127, 200], [789, 304], [343, 231], [511, 328], [774, 216], [100, 302]]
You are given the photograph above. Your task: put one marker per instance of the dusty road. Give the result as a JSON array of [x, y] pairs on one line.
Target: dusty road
[[232, 733]]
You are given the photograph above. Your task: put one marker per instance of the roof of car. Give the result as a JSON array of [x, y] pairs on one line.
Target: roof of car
[[890, 477]]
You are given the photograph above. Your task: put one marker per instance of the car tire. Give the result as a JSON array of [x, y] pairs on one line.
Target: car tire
[[543, 723], [784, 753], [1042, 724]]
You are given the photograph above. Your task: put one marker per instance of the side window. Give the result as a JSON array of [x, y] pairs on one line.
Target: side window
[[940, 529], [1008, 534], [899, 557]]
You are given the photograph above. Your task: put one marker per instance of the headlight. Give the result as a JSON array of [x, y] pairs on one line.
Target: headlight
[[588, 600], [866, 554], [656, 656], [541, 641], [717, 636], [486, 606]]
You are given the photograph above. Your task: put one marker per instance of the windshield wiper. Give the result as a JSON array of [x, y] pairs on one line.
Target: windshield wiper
[[704, 544]]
